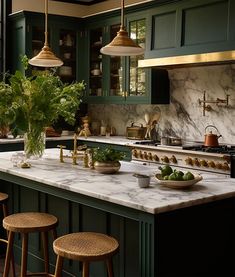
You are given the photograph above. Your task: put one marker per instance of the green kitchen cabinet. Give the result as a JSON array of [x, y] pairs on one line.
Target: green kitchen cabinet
[[118, 80], [190, 27], [28, 38]]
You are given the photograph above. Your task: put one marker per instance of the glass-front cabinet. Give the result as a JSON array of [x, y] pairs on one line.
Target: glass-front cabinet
[[115, 79], [28, 38], [103, 76], [115, 87], [137, 75], [67, 53], [95, 68]]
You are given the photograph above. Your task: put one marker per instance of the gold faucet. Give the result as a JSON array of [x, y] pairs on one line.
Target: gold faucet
[[61, 152], [76, 153]]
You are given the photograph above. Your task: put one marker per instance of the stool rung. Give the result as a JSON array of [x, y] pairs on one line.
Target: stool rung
[[4, 240], [40, 274]]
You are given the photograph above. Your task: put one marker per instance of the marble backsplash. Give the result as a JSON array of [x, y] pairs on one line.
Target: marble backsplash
[[183, 117]]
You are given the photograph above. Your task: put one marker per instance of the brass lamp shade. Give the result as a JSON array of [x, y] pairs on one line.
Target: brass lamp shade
[[45, 58], [122, 45]]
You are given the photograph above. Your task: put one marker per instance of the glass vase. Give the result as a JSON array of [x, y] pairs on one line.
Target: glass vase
[[34, 144]]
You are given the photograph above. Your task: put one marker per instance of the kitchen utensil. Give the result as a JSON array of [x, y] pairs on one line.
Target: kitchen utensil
[[210, 138], [135, 132]]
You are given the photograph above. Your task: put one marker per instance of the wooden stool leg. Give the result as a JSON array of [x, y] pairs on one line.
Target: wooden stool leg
[[8, 254], [109, 264], [45, 250], [5, 214], [54, 234], [5, 211], [24, 254], [85, 269], [59, 266]]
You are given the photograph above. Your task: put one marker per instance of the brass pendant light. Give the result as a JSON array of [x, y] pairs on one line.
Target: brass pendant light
[[46, 58], [122, 45]]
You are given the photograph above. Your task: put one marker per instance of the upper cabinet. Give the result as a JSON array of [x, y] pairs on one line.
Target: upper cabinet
[[113, 79], [28, 38], [190, 27]]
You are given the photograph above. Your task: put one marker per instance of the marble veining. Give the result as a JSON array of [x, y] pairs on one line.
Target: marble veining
[[183, 117], [120, 188]]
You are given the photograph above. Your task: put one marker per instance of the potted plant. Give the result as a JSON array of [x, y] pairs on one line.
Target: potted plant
[[36, 102], [107, 160]]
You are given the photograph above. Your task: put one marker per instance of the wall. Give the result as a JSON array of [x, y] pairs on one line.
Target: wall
[[183, 117], [69, 9]]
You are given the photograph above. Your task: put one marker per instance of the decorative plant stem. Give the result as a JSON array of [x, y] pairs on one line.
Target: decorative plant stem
[[34, 143]]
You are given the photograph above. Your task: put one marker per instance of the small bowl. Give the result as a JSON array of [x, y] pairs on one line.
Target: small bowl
[[143, 180]]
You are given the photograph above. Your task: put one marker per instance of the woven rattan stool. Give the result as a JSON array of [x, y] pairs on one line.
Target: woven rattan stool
[[85, 247], [25, 223], [3, 203]]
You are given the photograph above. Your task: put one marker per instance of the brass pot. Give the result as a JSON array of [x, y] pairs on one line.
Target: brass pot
[[108, 167], [136, 132]]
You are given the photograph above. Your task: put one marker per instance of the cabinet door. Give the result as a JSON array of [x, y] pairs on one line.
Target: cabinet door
[[137, 76], [67, 52], [115, 66]]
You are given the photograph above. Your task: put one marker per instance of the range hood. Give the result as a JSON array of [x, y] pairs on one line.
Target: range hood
[[212, 58]]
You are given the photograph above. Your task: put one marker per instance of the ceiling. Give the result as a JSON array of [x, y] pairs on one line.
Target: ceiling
[[82, 2]]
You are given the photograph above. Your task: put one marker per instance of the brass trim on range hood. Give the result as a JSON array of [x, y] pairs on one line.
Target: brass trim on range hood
[[212, 58]]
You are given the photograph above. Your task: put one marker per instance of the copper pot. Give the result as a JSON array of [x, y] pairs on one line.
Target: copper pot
[[210, 138]]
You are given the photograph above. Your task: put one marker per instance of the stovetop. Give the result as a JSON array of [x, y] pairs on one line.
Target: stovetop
[[221, 149]]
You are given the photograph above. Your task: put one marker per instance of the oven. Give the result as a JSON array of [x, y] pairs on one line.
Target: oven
[[197, 157]]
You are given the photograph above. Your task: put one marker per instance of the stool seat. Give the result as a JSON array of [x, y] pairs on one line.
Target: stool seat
[[29, 222], [3, 197], [85, 247], [25, 223]]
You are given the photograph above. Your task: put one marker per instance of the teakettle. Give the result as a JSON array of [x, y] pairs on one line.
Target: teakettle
[[210, 138]]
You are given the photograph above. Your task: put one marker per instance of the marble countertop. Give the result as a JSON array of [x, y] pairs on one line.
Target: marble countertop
[[120, 140], [120, 188]]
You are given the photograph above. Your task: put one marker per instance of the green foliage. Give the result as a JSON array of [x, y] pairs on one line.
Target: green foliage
[[107, 154], [37, 101]]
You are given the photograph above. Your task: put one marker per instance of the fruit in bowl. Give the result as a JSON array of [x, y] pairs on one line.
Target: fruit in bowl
[[167, 173], [176, 179]]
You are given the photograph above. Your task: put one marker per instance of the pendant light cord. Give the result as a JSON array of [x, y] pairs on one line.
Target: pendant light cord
[[122, 14], [46, 27]]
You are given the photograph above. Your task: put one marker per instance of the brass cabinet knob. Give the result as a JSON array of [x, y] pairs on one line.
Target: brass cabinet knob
[[150, 157], [211, 164], [155, 158], [141, 154], [173, 159], [135, 153], [225, 166], [145, 156], [196, 162], [219, 165], [165, 159], [203, 163], [189, 161]]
